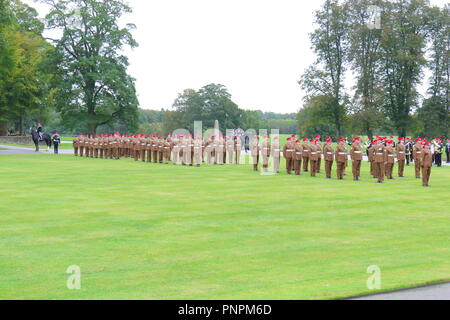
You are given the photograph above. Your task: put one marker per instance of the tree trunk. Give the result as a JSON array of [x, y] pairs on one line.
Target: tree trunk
[[92, 128], [369, 134]]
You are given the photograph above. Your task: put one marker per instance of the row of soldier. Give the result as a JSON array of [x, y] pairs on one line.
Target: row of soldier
[[181, 149], [301, 155], [382, 153]]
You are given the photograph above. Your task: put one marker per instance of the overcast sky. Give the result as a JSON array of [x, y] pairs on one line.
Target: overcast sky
[[256, 48]]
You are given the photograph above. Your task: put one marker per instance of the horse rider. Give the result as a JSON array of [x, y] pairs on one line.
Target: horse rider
[[39, 130]]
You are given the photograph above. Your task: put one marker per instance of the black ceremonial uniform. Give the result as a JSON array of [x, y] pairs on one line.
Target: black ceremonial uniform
[[56, 142]]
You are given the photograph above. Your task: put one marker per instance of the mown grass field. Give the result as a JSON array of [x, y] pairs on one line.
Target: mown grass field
[[151, 231]]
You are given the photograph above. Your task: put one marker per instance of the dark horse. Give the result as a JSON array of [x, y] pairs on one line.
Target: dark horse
[[45, 137]]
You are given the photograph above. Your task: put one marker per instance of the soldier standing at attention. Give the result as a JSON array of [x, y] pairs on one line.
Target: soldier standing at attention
[[288, 152], [75, 146], [188, 150], [356, 154], [390, 159], [116, 146], [219, 146], [305, 155], [417, 155], [341, 158], [224, 149], [100, 146], [80, 144], [192, 141], [426, 164], [175, 150], [380, 160], [161, 149], [313, 157], [297, 157], [56, 139], [265, 152], [230, 149], [96, 147], [169, 141], [110, 146], [89, 146], [86, 145], [319, 152], [328, 153], [371, 156], [401, 156], [136, 147], [197, 152], [209, 150], [155, 148], [254, 147], [275, 154], [166, 151], [149, 148], [439, 146], [238, 149], [143, 146]]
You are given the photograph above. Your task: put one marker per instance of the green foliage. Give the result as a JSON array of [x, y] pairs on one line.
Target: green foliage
[[388, 64], [93, 85], [325, 77], [435, 117], [435, 110], [313, 117], [402, 45], [212, 102], [25, 91], [364, 58]]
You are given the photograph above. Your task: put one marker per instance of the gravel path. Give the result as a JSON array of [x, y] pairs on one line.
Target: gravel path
[[23, 150], [431, 292]]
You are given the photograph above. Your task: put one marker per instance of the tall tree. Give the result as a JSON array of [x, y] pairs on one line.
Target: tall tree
[[93, 84], [212, 102], [402, 44], [330, 42], [218, 106], [24, 79], [5, 63], [435, 112], [364, 56]]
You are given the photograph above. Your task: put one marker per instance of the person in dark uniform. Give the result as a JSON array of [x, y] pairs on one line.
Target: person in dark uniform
[[39, 130], [409, 151], [438, 148], [56, 139]]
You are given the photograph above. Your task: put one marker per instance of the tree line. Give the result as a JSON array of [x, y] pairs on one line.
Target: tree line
[[209, 103], [79, 81], [387, 46]]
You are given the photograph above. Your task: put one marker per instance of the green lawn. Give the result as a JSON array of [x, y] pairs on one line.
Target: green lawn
[[151, 231]]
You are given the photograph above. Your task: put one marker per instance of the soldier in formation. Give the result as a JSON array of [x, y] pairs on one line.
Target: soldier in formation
[[300, 155]]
